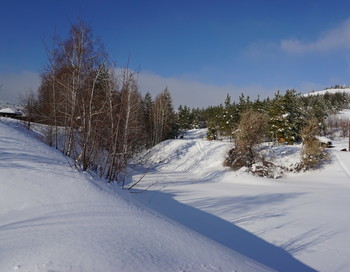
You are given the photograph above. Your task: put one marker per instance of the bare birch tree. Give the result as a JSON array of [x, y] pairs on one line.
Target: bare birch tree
[[93, 115]]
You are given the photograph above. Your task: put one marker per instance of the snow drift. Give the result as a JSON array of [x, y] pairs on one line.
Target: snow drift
[[53, 218]]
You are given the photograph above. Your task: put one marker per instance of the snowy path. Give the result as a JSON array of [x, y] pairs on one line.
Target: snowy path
[[299, 223], [53, 218]]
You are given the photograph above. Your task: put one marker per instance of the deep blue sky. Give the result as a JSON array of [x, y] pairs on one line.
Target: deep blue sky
[[200, 49]]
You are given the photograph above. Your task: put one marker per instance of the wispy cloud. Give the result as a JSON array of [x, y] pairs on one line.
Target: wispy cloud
[[192, 93], [183, 90], [14, 85], [333, 39]]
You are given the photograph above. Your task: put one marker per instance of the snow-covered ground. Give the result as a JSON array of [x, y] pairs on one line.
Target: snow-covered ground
[[54, 218], [330, 91], [196, 216], [344, 114], [297, 223]]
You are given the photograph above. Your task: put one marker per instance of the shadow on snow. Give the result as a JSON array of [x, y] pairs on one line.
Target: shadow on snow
[[229, 234]]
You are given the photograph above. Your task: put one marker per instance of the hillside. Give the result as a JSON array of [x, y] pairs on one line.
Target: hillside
[[54, 218], [195, 215], [330, 91], [299, 222]]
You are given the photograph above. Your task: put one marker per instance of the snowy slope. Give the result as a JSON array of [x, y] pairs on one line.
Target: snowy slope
[[330, 91], [53, 218], [298, 223]]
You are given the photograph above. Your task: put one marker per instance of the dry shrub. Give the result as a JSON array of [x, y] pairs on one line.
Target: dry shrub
[[312, 152], [250, 133]]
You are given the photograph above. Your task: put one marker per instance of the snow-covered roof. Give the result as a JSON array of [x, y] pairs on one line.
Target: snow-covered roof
[[10, 111]]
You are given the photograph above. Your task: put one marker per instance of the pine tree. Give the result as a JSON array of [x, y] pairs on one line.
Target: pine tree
[[228, 118], [185, 117], [213, 116], [287, 117], [147, 108]]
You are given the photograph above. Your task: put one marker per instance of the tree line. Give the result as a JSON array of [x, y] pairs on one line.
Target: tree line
[[92, 114], [287, 118], [99, 117], [287, 113]]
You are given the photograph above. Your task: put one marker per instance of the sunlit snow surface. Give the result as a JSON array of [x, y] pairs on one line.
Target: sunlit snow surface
[[53, 218], [299, 222]]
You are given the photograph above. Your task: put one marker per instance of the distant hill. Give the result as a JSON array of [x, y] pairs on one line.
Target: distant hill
[[331, 91]]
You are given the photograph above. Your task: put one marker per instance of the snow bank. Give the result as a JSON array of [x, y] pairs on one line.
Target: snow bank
[[53, 218]]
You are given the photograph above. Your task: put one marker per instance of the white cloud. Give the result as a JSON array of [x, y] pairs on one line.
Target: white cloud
[[183, 90], [191, 93], [14, 85], [334, 39]]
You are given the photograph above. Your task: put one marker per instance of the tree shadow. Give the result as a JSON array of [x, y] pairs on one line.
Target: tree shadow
[[226, 233]]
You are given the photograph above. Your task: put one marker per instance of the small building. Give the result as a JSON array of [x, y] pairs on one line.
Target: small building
[[8, 112]]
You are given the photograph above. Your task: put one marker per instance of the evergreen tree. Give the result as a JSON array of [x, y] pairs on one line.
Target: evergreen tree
[[185, 117], [213, 115], [261, 105], [286, 116], [147, 107], [199, 119], [244, 103], [229, 119]]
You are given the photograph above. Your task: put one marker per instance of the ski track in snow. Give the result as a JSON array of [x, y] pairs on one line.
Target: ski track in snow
[[342, 164]]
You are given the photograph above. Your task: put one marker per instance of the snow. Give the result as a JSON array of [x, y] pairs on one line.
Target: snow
[[9, 110], [344, 114], [55, 218], [296, 223], [330, 91], [196, 215]]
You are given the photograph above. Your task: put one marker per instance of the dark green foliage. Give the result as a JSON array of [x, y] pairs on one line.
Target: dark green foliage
[[286, 116], [212, 133], [213, 116], [147, 108], [190, 118], [171, 128]]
